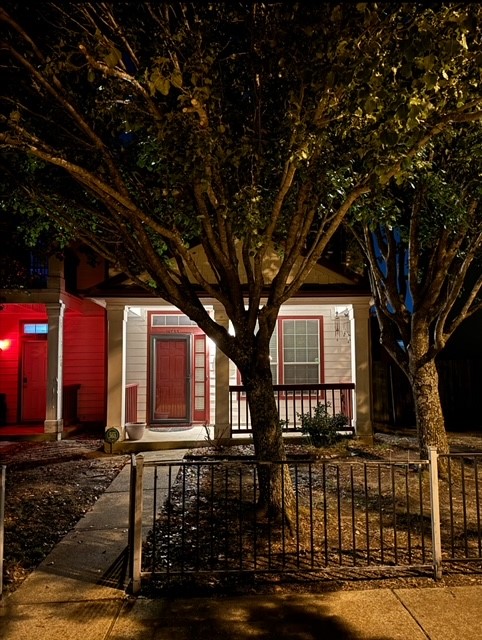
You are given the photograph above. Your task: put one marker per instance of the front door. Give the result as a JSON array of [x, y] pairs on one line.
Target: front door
[[171, 379], [34, 380]]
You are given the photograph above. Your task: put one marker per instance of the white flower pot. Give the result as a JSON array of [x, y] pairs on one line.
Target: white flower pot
[[135, 430]]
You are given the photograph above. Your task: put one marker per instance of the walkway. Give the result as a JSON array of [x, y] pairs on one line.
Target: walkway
[[77, 593]]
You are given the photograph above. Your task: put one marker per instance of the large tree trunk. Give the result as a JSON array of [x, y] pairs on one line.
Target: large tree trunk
[[428, 409], [276, 495]]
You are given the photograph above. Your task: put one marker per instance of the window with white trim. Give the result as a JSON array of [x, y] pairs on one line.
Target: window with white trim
[[295, 351]]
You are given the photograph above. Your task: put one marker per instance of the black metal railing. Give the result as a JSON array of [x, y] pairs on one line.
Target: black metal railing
[[292, 401], [367, 515], [460, 507], [349, 517]]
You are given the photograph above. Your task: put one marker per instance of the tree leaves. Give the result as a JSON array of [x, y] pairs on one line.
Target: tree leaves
[[225, 124]]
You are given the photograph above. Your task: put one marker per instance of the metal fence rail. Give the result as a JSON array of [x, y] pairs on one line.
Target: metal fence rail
[[347, 516], [460, 508]]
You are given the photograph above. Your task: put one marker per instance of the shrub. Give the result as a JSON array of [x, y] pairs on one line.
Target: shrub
[[322, 427]]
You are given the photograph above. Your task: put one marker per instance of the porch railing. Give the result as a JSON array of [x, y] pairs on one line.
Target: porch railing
[[293, 400], [131, 403]]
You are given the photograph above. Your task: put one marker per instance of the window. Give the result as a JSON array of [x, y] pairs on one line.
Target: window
[[38, 270], [35, 328], [172, 320], [301, 351], [295, 351]]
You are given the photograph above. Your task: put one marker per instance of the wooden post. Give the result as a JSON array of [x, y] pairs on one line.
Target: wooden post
[[435, 513], [135, 521]]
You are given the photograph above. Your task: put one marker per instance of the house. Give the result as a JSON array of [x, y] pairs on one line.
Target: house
[[86, 345]]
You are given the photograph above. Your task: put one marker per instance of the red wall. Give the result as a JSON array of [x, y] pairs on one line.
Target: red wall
[[10, 319], [84, 358], [84, 363]]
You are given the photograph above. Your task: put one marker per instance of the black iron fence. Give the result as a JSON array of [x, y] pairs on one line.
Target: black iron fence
[[460, 508], [203, 517]]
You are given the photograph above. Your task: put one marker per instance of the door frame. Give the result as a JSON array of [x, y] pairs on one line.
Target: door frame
[[164, 337]]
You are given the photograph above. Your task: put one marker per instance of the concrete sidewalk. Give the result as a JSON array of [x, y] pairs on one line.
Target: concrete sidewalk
[[78, 593]]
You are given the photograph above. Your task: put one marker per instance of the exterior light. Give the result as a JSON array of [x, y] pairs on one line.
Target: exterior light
[[5, 344]]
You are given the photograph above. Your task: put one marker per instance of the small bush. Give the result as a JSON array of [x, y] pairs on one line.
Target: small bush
[[321, 427]]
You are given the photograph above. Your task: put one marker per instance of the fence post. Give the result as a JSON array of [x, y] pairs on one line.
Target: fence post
[[135, 521], [2, 522], [435, 512]]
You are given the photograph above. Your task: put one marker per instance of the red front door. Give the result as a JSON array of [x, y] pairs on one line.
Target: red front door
[[171, 380], [34, 380]]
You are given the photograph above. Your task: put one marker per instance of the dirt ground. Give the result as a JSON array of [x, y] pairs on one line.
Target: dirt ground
[[50, 486]]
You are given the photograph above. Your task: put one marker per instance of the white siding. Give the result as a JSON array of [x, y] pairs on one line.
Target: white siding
[[136, 359], [336, 348], [336, 352]]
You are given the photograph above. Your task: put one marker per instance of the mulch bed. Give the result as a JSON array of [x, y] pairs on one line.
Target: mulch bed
[[49, 487]]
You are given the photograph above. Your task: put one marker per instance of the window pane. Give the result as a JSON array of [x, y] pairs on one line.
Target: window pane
[[300, 341], [35, 328], [312, 327], [301, 374], [289, 355], [171, 320], [312, 355], [288, 327], [312, 340]]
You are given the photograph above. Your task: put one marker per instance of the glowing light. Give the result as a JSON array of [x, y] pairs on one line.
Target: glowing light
[[5, 344]]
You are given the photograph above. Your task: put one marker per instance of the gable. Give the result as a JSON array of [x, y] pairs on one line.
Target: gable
[[321, 274], [324, 276]]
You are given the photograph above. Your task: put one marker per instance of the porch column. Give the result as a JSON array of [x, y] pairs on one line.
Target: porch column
[[116, 360], [362, 374], [222, 426], [55, 354]]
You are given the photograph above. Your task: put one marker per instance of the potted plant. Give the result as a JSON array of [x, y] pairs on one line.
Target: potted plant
[[135, 430]]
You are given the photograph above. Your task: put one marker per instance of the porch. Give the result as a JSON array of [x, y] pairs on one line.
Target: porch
[[292, 402], [322, 363]]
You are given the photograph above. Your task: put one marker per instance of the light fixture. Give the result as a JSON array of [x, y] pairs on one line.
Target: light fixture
[[342, 325], [5, 344]]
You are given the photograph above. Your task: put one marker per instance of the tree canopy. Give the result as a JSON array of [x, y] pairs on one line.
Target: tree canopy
[[425, 249], [146, 131], [143, 129], [425, 258]]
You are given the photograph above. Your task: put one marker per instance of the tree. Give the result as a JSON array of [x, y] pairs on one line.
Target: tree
[[425, 259], [147, 128]]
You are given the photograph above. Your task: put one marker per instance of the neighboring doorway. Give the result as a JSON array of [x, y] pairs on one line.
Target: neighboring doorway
[[33, 381], [171, 378]]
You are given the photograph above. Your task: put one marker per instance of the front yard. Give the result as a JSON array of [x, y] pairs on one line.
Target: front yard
[[50, 486]]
